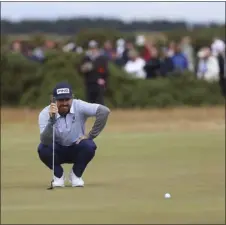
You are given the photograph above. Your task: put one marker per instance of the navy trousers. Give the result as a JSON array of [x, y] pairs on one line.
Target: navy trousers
[[78, 154]]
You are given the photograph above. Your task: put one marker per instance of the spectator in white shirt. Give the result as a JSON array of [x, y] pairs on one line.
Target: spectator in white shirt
[[120, 47], [217, 46], [135, 65], [188, 51], [208, 67]]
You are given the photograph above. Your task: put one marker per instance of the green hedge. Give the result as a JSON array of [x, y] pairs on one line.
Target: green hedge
[[26, 83]]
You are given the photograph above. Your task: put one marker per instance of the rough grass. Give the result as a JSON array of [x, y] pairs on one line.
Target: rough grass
[[141, 155]]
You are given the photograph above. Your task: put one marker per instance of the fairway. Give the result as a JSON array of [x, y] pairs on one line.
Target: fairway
[[141, 156]]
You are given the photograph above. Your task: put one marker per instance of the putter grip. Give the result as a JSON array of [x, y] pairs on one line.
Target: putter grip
[[53, 115]]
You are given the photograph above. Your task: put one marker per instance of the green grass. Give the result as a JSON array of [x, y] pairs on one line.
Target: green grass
[[125, 183]]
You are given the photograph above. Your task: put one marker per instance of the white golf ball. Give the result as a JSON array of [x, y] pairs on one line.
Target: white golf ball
[[167, 195]]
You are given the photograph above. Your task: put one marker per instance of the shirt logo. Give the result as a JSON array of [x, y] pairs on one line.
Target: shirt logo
[[63, 91]]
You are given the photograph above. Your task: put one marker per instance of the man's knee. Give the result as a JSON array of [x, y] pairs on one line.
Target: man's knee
[[89, 146], [44, 152]]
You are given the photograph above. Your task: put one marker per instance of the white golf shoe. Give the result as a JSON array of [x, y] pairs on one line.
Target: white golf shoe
[[58, 182], [75, 181]]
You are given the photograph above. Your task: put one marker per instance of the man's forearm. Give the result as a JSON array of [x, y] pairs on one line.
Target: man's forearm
[[101, 119], [47, 135]]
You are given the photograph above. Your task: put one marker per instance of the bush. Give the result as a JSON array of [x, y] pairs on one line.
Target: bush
[[27, 83]]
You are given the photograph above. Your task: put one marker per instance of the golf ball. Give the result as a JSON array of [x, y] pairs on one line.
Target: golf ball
[[167, 195]]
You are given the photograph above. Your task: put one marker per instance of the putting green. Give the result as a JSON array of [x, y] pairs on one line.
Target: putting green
[[126, 181]]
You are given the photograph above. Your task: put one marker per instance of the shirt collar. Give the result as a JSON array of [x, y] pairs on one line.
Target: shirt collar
[[72, 111]]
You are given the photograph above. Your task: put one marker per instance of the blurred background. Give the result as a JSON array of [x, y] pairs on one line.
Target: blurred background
[[120, 54]]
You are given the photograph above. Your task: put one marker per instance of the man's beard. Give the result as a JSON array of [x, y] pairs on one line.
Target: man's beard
[[64, 113]]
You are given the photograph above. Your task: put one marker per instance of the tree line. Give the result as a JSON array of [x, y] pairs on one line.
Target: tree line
[[75, 25]]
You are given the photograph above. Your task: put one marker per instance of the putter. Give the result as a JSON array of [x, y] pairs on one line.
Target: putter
[[51, 185]]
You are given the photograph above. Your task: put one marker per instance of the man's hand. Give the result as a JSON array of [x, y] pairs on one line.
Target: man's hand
[[82, 138], [101, 81], [53, 109]]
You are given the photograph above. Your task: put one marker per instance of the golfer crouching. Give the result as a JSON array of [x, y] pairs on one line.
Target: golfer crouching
[[71, 144]]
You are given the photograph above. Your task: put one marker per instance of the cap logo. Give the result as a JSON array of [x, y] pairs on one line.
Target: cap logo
[[63, 91]]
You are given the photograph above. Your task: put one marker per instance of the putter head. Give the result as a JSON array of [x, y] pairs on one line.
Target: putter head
[[51, 186]]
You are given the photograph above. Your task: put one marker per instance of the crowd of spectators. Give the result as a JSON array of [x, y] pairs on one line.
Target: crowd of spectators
[[140, 59], [144, 60]]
